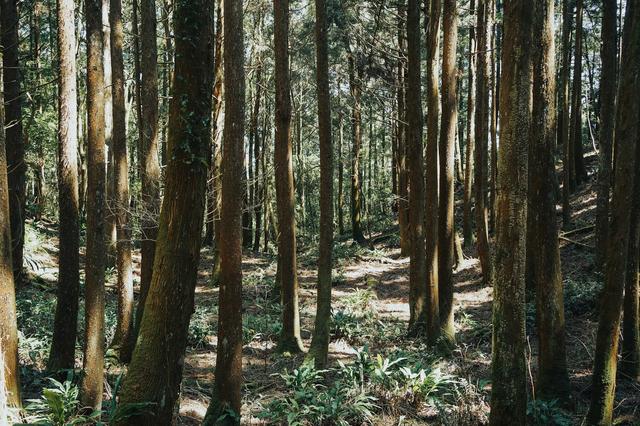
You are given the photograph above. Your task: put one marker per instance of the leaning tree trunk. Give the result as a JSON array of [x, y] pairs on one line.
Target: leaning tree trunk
[[320, 342], [8, 317], [93, 363], [124, 263], [543, 252], [228, 377], [447, 158], [65, 329], [290, 340], [608, 79], [626, 147], [16, 165], [155, 371], [509, 379]]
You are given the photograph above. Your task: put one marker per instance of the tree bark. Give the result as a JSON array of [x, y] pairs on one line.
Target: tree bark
[[626, 148], [576, 109], [447, 158], [320, 342], [93, 363], [218, 126], [15, 147], [543, 252], [509, 379], [155, 372], [568, 173], [226, 394], [401, 136], [467, 225], [65, 328], [290, 340], [608, 79]]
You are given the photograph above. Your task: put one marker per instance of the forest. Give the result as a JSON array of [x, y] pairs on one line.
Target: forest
[[320, 212]]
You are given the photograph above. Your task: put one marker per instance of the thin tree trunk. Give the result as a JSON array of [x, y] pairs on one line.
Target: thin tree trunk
[[217, 131], [543, 252], [226, 393], [401, 136], [509, 379], [340, 176], [65, 328], [576, 108], [290, 340], [355, 84], [467, 226], [568, 173], [93, 363], [447, 158], [608, 79], [111, 231], [155, 372], [627, 148], [320, 342]]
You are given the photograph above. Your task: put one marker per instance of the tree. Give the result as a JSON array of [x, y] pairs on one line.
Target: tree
[[16, 165], [155, 371], [226, 393], [508, 367], [431, 168], [447, 158], [608, 79], [626, 143], [93, 362], [63, 345], [543, 252], [124, 264], [290, 340], [568, 172], [467, 226], [320, 343], [576, 101], [8, 317], [401, 135], [480, 167]]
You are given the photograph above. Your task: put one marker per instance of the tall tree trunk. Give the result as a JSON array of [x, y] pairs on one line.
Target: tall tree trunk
[[482, 138], [156, 367], [509, 379], [124, 263], [290, 340], [63, 345], [148, 154], [93, 363], [217, 131], [493, 128], [467, 225], [576, 108], [608, 79], [543, 252], [401, 137], [447, 158], [627, 147], [355, 85], [15, 147], [568, 173], [258, 198], [226, 393], [8, 316], [111, 231], [320, 342]]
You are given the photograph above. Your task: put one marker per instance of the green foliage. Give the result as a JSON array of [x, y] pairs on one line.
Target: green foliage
[[59, 406], [201, 326], [581, 297], [547, 413]]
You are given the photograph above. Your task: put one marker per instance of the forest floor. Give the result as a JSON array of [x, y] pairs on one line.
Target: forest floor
[[370, 315]]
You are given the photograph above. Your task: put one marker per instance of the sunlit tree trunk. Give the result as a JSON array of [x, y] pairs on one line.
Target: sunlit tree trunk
[[509, 379], [155, 371], [626, 149], [63, 345], [93, 363], [217, 129], [320, 342]]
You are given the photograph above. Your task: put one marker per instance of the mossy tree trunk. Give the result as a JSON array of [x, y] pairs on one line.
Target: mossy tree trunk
[[155, 371], [509, 379]]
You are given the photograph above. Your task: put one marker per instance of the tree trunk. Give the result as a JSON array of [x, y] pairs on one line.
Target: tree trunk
[[93, 363], [111, 231], [124, 264], [467, 225], [626, 150], [290, 340], [543, 252], [340, 177], [257, 202], [8, 317], [355, 84], [320, 342], [509, 379], [447, 158], [15, 147], [401, 136], [608, 79], [482, 138], [63, 345], [217, 129], [155, 372], [576, 109], [568, 172], [228, 376]]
